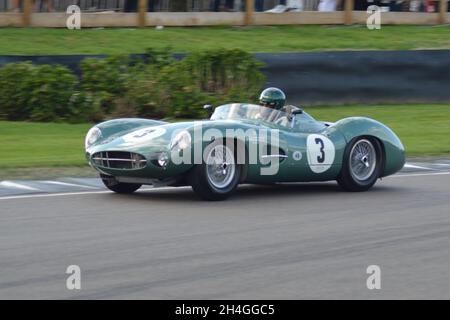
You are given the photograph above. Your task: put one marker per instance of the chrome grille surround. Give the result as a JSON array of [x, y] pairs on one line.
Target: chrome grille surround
[[121, 160]]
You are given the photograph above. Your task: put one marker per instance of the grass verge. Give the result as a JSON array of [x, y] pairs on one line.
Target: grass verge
[[46, 41], [26, 144]]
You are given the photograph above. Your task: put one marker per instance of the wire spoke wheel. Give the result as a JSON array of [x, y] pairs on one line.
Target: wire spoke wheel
[[220, 166], [362, 164], [219, 175], [363, 160]]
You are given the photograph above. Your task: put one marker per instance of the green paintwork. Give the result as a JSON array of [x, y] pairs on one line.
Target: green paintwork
[[292, 141]]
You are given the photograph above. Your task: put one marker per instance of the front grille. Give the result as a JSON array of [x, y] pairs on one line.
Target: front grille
[[119, 160]]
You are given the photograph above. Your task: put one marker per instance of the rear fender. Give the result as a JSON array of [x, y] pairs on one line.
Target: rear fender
[[393, 148]]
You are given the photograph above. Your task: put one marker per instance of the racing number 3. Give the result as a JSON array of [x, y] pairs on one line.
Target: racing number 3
[[321, 158], [320, 152]]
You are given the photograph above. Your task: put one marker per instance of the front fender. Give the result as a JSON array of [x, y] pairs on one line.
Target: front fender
[[117, 127], [393, 148]]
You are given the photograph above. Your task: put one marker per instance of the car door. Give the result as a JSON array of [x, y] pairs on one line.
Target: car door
[[313, 148]]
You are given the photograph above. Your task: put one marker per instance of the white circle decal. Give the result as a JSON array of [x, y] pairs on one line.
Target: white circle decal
[[297, 155], [320, 152], [144, 134]]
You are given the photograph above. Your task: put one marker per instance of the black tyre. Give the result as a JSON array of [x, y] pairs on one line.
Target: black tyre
[[112, 184], [218, 177], [361, 165]]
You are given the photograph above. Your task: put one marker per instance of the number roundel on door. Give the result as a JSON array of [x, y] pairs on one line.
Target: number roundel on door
[[320, 152]]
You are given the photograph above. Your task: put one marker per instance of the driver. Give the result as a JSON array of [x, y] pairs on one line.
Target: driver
[[272, 98], [275, 99]]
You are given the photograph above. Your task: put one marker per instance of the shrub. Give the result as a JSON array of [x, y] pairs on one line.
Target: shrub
[[106, 79], [86, 107], [154, 86], [37, 93], [179, 89], [166, 91], [159, 57], [229, 75], [51, 90], [105, 74], [15, 94]]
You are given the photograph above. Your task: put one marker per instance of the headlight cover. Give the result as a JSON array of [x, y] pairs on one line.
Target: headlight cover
[[163, 160], [92, 136], [182, 140]]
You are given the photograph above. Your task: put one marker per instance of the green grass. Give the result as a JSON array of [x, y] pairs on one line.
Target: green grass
[[24, 144], [424, 130], [42, 41]]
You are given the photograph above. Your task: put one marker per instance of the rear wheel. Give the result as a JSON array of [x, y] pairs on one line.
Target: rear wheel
[[361, 165], [112, 184], [218, 176]]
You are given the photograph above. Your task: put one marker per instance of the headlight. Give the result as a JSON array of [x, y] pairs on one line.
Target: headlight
[[92, 136], [163, 159], [181, 141]]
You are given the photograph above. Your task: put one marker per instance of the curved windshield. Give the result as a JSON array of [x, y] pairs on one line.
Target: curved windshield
[[251, 112]]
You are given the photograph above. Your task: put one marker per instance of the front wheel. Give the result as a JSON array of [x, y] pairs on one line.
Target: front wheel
[[112, 184], [361, 165], [218, 176]]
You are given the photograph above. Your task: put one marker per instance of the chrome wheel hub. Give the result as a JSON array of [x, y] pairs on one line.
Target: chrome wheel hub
[[220, 167], [363, 160]]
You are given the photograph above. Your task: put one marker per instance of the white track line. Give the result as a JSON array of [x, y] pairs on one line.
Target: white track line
[[419, 174], [60, 183], [412, 166], [15, 185], [48, 195]]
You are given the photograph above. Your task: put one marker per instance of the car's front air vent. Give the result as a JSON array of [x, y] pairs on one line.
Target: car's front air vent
[[119, 160]]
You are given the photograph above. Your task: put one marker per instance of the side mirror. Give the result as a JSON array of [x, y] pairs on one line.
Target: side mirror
[[297, 111], [208, 108]]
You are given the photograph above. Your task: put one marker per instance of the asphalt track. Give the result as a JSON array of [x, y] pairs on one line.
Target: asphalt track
[[299, 241]]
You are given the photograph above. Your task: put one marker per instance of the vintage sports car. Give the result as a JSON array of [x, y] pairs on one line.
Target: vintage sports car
[[242, 143]]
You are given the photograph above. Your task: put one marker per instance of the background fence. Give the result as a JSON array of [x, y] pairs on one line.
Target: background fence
[[125, 13], [216, 5], [157, 5]]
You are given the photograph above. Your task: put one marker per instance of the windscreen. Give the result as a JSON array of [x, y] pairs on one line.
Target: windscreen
[[250, 112]]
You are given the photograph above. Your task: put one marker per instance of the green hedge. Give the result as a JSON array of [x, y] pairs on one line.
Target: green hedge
[[37, 93], [154, 86]]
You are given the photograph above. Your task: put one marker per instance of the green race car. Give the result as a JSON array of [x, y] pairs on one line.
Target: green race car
[[242, 143]]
